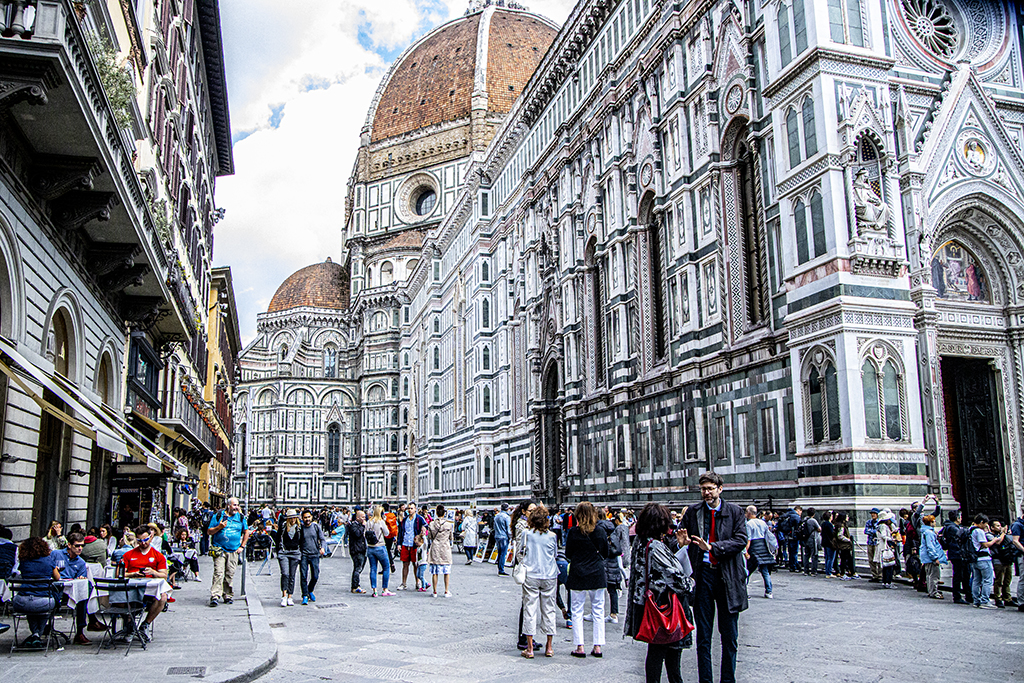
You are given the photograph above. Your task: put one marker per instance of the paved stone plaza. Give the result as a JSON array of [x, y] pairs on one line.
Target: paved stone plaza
[[814, 630]]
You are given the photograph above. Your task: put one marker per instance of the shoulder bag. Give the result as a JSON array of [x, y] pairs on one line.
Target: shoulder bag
[[661, 625]]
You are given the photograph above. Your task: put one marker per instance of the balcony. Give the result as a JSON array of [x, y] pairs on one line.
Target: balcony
[[188, 421], [72, 164]]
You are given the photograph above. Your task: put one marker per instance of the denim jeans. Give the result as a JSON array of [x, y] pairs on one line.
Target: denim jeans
[[981, 580], [469, 553], [358, 562], [793, 547], [38, 609], [830, 561], [809, 554], [502, 545], [378, 555], [711, 595], [766, 575], [309, 573]]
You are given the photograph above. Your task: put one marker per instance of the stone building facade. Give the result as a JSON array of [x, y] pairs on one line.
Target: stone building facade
[[777, 239]]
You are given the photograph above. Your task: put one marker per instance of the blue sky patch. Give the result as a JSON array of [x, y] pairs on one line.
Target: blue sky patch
[[276, 114]]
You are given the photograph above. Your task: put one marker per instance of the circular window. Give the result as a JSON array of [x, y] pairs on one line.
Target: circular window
[[425, 202], [933, 25]]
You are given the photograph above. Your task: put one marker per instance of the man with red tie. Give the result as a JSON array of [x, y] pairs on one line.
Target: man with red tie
[[716, 532]]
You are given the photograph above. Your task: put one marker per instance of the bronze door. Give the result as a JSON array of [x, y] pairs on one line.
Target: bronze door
[[974, 437]]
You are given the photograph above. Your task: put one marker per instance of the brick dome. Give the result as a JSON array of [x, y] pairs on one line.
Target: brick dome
[[494, 51], [321, 285]]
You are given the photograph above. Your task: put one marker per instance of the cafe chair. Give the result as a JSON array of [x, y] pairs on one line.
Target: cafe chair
[[124, 601], [20, 616]]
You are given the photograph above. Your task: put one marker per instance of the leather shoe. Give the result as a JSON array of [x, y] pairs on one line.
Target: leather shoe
[[96, 626], [80, 639]]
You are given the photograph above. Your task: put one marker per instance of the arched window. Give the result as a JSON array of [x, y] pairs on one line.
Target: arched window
[[405, 416], [800, 224], [799, 26], [487, 469], [330, 361], [852, 29], [485, 314], [405, 387], [333, 447], [437, 392], [821, 392], [406, 359], [793, 137], [394, 443], [284, 352], [437, 324], [437, 424], [818, 225], [437, 358], [484, 272], [394, 388], [486, 358], [405, 484], [883, 396], [810, 134], [655, 265], [487, 399], [387, 273], [437, 478], [785, 43]]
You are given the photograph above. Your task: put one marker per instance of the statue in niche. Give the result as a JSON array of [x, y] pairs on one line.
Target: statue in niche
[[872, 213]]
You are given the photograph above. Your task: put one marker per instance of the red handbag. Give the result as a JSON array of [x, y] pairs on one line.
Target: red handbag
[[661, 624]]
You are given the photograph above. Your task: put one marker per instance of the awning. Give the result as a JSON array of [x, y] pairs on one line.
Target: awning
[[166, 431], [89, 423]]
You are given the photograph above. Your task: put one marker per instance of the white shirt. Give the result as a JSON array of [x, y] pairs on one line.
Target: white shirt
[[756, 528]]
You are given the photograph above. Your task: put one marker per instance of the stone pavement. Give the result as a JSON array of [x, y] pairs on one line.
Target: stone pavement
[[231, 643], [815, 629]]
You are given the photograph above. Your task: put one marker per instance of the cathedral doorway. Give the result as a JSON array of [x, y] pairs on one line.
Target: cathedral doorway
[[974, 436], [552, 460]]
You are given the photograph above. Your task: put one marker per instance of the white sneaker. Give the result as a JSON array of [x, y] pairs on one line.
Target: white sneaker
[[291, 603], [284, 602], [768, 595], [447, 594], [434, 595], [587, 617], [402, 587], [614, 619]]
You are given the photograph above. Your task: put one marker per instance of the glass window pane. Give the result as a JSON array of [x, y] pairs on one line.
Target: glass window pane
[[793, 137], [785, 50], [799, 26], [835, 20], [810, 134], [835, 431], [818, 225], [856, 23], [890, 389], [800, 221], [870, 385], [817, 425]]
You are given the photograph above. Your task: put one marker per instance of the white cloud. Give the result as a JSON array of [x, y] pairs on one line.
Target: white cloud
[[301, 77]]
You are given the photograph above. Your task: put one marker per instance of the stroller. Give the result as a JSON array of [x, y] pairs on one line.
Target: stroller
[[259, 547]]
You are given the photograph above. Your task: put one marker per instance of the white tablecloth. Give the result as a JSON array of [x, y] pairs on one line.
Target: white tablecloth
[[78, 590]]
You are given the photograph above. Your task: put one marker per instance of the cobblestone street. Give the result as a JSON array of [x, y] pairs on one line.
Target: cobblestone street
[[814, 630]]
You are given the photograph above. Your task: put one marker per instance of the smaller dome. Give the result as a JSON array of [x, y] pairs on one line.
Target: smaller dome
[[321, 285]]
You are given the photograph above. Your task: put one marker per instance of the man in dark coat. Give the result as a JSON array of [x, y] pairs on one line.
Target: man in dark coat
[[716, 532]]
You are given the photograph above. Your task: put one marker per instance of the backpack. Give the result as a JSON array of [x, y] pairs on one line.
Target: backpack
[[803, 532], [392, 523], [371, 536], [966, 546], [786, 524]]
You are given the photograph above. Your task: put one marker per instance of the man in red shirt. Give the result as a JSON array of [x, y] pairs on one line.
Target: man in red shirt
[[145, 562]]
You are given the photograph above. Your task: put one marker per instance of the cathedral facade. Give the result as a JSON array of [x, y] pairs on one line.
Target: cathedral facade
[[777, 239]]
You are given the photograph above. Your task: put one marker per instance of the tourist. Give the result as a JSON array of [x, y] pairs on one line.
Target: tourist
[[541, 580], [1017, 536], [612, 570], [146, 562], [502, 534], [716, 533], [520, 526], [72, 565], [440, 532], [289, 554], [376, 551], [844, 546], [391, 522], [885, 546], [788, 525], [109, 537], [871, 542], [229, 533], [622, 542], [981, 573], [410, 526], [828, 544], [36, 562], [586, 547], [8, 552], [654, 567], [184, 543], [954, 539], [421, 563], [810, 538], [54, 536], [1003, 555], [356, 532], [759, 556], [95, 549], [931, 555], [312, 544], [470, 538]]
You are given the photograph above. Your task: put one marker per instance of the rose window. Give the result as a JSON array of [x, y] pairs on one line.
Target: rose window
[[933, 25]]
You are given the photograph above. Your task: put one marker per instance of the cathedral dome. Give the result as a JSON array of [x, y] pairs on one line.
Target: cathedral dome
[[492, 52], [321, 285]]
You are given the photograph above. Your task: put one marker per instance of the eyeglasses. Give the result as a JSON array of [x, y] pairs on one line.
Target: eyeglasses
[[709, 489], [77, 545]]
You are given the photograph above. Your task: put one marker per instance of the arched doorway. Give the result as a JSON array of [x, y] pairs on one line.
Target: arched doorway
[[53, 461], [552, 451]]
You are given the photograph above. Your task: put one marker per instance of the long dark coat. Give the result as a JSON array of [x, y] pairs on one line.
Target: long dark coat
[[586, 554], [731, 531]]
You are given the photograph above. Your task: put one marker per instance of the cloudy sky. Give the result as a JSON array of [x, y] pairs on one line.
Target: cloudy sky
[[300, 79]]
